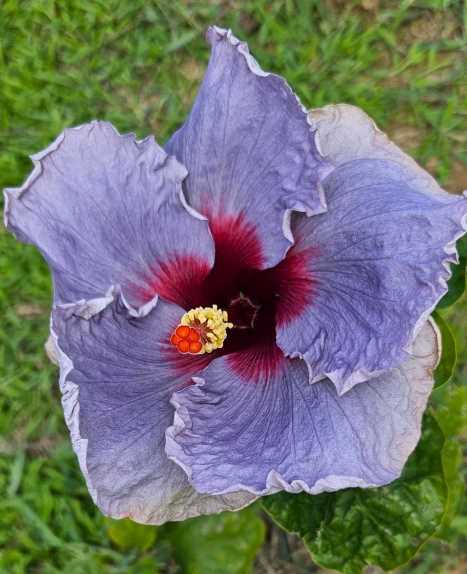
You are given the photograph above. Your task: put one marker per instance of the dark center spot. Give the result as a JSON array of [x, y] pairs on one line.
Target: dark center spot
[[256, 300]]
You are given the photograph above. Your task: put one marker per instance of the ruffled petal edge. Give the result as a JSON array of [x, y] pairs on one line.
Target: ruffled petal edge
[[275, 482], [377, 145], [70, 391]]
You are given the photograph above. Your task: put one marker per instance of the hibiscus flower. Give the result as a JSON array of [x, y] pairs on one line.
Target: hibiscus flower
[[245, 310]]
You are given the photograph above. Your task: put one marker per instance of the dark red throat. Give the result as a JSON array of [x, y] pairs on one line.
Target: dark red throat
[[256, 300]]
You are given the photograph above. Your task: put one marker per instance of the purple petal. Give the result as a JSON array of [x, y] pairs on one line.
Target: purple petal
[[379, 257], [285, 434], [118, 372], [249, 149], [106, 209]]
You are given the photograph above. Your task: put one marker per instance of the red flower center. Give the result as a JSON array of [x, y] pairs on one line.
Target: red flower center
[[256, 300]]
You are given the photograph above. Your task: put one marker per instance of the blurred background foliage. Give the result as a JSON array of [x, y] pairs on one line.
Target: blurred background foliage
[[138, 63]]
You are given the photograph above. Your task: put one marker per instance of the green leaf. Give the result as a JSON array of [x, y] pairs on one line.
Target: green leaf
[[225, 542], [145, 565], [126, 534], [457, 282], [452, 417], [350, 529], [445, 368]]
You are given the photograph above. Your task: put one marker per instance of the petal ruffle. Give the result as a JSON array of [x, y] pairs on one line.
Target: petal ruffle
[[106, 209], [117, 373], [249, 149], [378, 260], [285, 434]]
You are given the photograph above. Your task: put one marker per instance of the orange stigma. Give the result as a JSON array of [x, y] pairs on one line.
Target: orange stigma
[[186, 339]]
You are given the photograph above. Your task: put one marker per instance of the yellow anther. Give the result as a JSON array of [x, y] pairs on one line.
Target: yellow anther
[[211, 323]]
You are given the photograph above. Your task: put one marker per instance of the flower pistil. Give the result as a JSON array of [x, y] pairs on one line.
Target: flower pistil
[[201, 330]]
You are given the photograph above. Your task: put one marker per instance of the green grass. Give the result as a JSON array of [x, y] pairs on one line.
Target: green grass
[[138, 63]]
